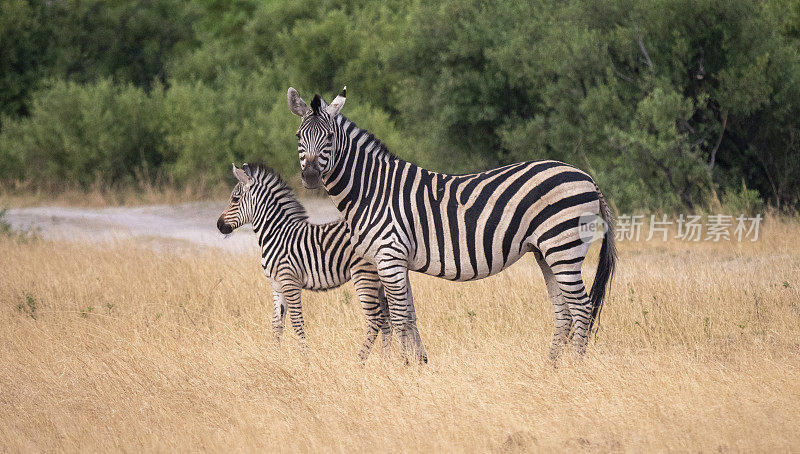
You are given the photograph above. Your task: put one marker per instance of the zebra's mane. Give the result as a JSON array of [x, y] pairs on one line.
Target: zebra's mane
[[380, 150], [264, 175]]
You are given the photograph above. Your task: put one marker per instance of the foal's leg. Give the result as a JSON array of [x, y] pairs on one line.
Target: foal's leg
[[279, 313], [291, 292]]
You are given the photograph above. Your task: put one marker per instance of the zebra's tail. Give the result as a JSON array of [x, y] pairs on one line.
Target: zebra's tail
[[606, 265]]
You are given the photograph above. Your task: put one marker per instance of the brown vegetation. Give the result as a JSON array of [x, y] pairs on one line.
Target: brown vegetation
[[121, 347]]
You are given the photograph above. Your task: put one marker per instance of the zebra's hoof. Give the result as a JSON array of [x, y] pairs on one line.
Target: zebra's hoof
[[420, 360]]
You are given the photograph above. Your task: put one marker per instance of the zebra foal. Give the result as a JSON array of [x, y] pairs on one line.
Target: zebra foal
[[458, 227], [296, 254]]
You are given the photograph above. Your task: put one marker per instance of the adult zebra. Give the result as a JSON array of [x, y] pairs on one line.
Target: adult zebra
[[459, 227], [296, 254]]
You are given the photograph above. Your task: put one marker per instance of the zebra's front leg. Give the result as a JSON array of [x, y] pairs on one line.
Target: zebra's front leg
[[563, 318], [394, 277], [370, 295], [279, 313]]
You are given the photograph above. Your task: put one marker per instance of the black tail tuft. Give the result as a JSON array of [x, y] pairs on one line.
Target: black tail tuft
[[606, 265]]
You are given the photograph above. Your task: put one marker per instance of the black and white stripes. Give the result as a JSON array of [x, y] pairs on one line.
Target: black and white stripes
[[459, 227], [296, 254]]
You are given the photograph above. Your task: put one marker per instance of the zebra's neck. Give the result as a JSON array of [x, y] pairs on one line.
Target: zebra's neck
[[361, 164], [275, 211]]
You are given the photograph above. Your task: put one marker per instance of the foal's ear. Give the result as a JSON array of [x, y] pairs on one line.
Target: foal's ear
[[336, 106], [242, 177], [296, 103]]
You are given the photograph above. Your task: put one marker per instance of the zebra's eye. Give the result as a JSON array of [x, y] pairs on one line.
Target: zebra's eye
[[330, 135], [235, 199], [297, 134]]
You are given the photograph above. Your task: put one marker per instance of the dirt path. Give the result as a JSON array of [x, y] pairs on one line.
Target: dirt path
[[194, 223]]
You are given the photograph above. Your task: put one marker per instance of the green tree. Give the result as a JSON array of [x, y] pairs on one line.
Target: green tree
[[23, 39]]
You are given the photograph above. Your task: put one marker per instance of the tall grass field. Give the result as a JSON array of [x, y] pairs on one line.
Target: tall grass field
[[129, 347]]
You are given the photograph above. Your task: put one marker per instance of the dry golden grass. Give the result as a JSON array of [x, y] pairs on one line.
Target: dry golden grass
[[134, 194], [101, 195], [135, 350]]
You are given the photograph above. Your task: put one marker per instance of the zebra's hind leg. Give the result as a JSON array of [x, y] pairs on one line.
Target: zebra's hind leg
[[573, 290], [563, 318], [565, 254], [291, 292]]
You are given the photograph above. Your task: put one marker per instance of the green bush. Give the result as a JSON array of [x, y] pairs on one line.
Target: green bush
[[666, 103], [245, 119], [742, 201], [80, 134]]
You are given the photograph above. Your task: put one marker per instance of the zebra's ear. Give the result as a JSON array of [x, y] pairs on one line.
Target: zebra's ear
[[296, 103], [242, 177], [336, 106]]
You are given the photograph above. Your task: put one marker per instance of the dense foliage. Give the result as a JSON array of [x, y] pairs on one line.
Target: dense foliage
[[668, 104]]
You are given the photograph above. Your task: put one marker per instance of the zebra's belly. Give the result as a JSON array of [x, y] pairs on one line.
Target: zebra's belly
[[321, 287], [325, 278], [464, 267], [313, 273]]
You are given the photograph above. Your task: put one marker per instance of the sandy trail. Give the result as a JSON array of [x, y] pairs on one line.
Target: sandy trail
[[193, 223]]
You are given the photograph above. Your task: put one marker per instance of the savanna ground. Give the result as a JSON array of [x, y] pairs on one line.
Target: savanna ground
[[117, 346]]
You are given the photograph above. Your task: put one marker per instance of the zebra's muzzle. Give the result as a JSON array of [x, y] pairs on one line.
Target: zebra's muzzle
[[311, 177], [223, 227]]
